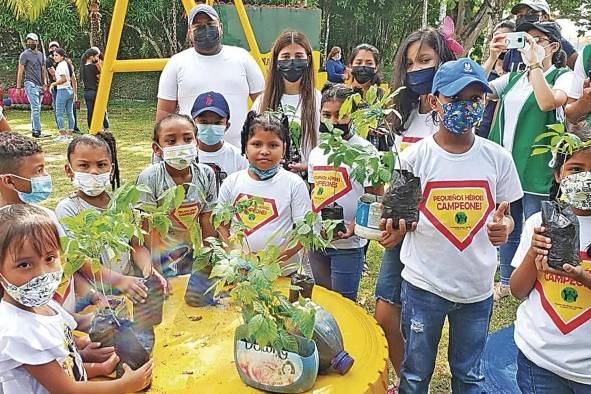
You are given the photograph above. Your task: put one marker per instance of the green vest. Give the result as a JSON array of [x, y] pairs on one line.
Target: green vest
[[586, 59], [534, 173]]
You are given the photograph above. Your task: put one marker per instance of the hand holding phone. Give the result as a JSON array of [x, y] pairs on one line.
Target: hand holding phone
[[515, 40]]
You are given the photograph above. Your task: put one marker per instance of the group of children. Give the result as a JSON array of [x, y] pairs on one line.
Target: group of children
[[441, 267]]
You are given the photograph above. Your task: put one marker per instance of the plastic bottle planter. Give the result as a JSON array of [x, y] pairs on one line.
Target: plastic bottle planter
[[149, 314], [128, 348], [196, 295], [103, 327], [402, 199], [305, 282], [562, 227], [334, 212], [278, 372], [368, 216]]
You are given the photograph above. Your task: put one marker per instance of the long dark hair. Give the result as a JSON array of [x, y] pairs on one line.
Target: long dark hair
[[377, 79], [406, 101], [271, 100], [87, 53], [268, 122]]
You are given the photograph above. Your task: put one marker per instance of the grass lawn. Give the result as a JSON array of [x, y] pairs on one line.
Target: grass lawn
[[132, 123]]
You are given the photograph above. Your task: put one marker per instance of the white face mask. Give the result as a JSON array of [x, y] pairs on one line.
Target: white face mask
[[540, 54], [36, 292], [90, 184], [576, 189], [180, 156]]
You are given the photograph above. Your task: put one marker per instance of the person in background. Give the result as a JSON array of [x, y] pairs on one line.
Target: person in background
[[209, 66], [90, 71], [31, 71], [579, 103], [336, 70], [64, 98], [50, 65]]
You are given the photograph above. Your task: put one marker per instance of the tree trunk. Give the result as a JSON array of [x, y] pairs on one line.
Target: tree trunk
[[175, 43], [442, 10], [470, 33], [425, 12], [95, 24]]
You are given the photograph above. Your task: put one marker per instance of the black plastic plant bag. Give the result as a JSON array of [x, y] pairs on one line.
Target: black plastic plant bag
[[149, 314], [402, 199], [334, 212], [103, 327], [562, 227], [305, 282], [129, 348]]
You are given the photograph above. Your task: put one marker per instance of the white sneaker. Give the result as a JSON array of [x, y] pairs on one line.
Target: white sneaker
[[501, 291]]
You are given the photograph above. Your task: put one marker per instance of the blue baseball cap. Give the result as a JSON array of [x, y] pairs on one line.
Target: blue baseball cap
[[453, 76], [211, 101]]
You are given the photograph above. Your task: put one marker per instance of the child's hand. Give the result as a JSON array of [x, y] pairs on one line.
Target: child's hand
[[540, 245], [163, 282], [348, 234], [298, 167], [393, 236], [133, 288], [501, 226], [108, 366], [94, 353], [134, 381]]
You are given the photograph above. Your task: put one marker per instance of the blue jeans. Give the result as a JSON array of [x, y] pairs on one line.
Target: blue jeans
[[422, 318], [338, 270], [535, 380], [390, 278], [64, 102], [34, 94], [520, 210]]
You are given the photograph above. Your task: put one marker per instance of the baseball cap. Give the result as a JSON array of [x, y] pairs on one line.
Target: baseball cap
[[453, 76], [53, 44], [211, 101], [207, 9], [32, 36], [551, 29], [536, 5]]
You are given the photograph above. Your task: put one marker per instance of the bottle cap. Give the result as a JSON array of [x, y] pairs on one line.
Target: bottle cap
[[342, 362]]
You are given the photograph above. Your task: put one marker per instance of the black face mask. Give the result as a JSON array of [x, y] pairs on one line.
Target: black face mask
[[206, 38], [421, 81], [32, 46], [363, 74], [292, 69], [343, 127], [527, 18]]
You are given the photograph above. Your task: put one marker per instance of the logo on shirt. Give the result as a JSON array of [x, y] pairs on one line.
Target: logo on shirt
[[458, 209], [408, 141], [258, 216], [566, 301], [330, 184], [186, 215]]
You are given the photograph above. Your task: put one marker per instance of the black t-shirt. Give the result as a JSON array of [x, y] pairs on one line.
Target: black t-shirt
[[90, 76], [49, 63]]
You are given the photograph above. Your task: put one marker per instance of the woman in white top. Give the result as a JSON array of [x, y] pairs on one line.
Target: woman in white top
[[290, 88], [64, 98]]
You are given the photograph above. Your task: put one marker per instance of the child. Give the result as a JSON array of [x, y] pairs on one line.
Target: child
[[174, 141], [211, 113], [552, 330], [291, 84], [265, 140], [37, 349], [338, 268], [450, 258]]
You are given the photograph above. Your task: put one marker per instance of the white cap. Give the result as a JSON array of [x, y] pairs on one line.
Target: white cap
[[32, 36], [53, 44], [536, 5], [206, 9]]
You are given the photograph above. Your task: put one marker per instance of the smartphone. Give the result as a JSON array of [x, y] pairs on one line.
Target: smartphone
[[515, 40]]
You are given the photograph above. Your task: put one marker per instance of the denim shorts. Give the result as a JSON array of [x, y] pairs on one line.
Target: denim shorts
[[390, 278]]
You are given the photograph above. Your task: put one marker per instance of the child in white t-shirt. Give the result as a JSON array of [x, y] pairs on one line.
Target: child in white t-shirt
[[37, 350], [553, 326], [211, 114], [284, 195], [450, 257]]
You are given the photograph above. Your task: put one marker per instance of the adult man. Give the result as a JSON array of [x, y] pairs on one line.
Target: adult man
[[32, 67], [50, 66], [209, 66], [534, 11]]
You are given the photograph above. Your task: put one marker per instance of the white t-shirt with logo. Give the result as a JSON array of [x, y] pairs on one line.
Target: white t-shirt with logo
[[293, 101], [553, 324], [419, 126], [285, 201], [232, 72], [579, 77], [62, 70], [228, 158], [450, 254], [335, 185]]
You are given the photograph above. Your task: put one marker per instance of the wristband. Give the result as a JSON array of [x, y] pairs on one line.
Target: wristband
[[534, 66]]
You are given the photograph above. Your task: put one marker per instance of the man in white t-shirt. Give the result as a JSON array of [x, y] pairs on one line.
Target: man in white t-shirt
[[579, 103], [209, 66]]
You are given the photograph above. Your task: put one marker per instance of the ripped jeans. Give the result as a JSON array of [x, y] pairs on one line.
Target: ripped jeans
[[422, 318]]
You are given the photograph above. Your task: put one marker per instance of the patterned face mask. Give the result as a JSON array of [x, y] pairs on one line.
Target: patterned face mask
[[180, 156], [460, 117], [36, 292], [91, 184], [576, 189]]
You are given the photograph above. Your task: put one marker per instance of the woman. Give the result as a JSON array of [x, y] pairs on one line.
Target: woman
[[90, 73], [290, 87], [528, 102], [336, 70], [64, 98]]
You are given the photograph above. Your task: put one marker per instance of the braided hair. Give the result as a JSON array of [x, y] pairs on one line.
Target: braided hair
[[103, 140], [268, 122]]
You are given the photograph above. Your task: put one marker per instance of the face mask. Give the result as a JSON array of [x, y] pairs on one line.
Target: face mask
[[540, 54], [363, 74], [41, 187], [37, 292], [32, 46], [292, 69], [210, 134], [265, 174], [527, 18], [421, 81], [343, 127], [576, 188], [459, 117], [90, 184], [206, 38], [179, 157]]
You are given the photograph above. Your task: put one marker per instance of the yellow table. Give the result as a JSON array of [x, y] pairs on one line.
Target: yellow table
[[194, 348]]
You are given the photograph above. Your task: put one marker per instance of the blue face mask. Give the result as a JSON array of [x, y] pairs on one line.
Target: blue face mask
[[459, 117], [265, 174], [210, 134], [421, 81], [41, 187]]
